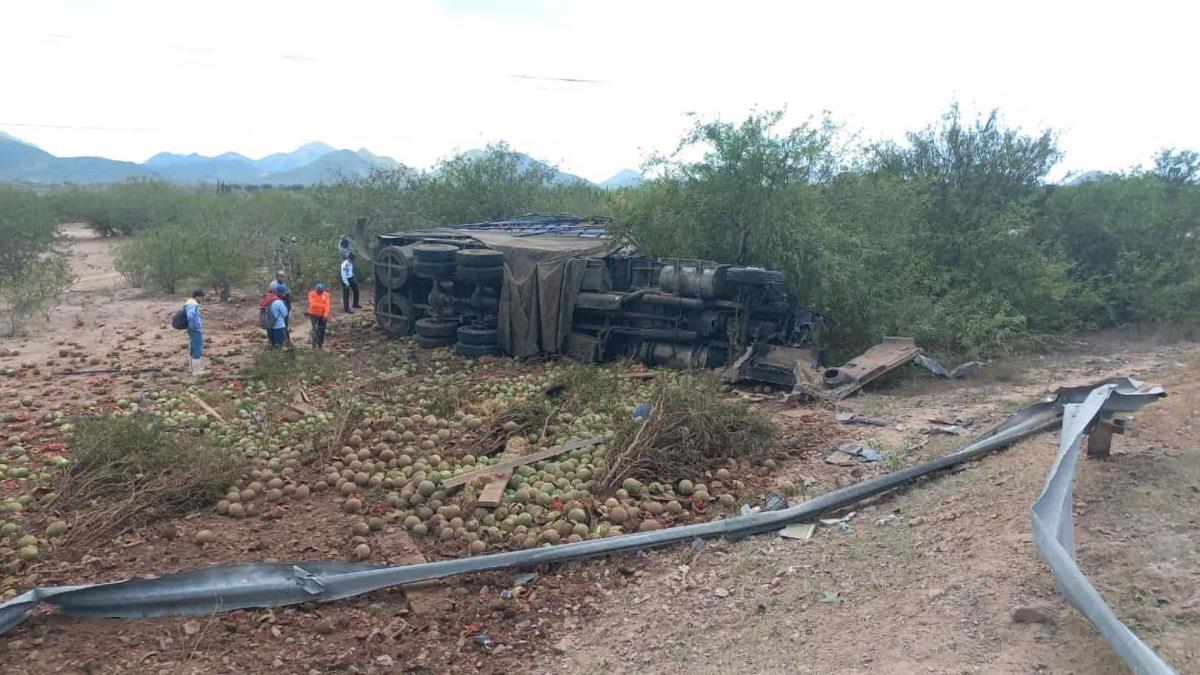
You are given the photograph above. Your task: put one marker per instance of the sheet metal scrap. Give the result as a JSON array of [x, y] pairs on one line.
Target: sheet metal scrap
[[836, 384]]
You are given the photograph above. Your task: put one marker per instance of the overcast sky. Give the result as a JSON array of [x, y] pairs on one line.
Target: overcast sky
[[593, 86]]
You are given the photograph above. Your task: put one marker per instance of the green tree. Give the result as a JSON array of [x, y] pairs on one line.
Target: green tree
[[161, 258], [1177, 167], [482, 185], [33, 272]]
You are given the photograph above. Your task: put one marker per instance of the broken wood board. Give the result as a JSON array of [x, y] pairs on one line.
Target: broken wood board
[[207, 408], [648, 375], [464, 478], [493, 492]]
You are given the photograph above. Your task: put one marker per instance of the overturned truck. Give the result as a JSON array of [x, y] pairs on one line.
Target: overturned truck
[[540, 285]]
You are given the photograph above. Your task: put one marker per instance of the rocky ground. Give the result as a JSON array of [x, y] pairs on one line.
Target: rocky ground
[[940, 577]]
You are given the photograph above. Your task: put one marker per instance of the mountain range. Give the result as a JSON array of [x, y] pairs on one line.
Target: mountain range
[[310, 164]]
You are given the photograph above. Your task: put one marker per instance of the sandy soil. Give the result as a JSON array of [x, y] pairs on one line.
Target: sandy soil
[[923, 580]]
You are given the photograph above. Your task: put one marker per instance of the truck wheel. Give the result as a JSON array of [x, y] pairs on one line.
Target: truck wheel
[[479, 257], [434, 253], [437, 328], [475, 351], [391, 267], [484, 276], [477, 336], [394, 312], [434, 270], [433, 343]]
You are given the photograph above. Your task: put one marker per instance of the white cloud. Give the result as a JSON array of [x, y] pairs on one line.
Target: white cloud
[[419, 79]]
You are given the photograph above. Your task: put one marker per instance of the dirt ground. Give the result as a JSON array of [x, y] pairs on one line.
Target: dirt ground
[[923, 580]]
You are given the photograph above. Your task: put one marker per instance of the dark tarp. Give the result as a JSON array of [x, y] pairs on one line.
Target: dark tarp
[[542, 278]]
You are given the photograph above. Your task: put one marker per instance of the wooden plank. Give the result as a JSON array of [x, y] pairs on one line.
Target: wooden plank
[[464, 478], [493, 492], [207, 408]]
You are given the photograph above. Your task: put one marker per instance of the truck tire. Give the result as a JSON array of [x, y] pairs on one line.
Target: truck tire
[[484, 276], [434, 270], [475, 351], [476, 336], [395, 313], [391, 267], [433, 343], [479, 257], [437, 328], [753, 276], [434, 253]]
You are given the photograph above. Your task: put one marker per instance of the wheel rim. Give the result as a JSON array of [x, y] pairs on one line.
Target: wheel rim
[[391, 268], [395, 313]]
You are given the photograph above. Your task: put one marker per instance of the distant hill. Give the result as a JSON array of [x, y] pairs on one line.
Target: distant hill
[[307, 165], [298, 158], [623, 178], [329, 168], [310, 164]]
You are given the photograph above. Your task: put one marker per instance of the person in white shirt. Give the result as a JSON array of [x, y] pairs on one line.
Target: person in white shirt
[[349, 284]]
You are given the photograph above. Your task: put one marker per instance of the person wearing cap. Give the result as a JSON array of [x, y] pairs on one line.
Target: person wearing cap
[[195, 331], [318, 313], [349, 283]]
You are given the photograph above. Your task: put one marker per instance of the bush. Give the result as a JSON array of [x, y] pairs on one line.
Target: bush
[[128, 471], [161, 258], [37, 290], [690, 429], [33, 273]]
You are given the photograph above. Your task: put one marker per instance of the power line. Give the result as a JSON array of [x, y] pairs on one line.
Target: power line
[[84, 127]]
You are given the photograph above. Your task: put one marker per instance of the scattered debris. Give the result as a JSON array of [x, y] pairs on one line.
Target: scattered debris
[[947, 429], [482, 640], [847, 417], [839, 458], [524, 579], [929, 363], [838, 383], [847, 453], [831, 598], [721, 593], [801, 531]]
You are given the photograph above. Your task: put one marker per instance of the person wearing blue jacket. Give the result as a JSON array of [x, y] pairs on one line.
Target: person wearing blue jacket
[[195, 330], [277, 333]]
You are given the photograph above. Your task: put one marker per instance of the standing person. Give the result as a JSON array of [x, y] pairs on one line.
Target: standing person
[[278, 313], [195, 330], [344, 246], [280, 278], [318, 312], [349, 284]]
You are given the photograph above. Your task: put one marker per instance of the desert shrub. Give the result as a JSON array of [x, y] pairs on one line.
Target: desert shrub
[[689, 429], [128, 471], [160, 258], [37, 290], [33, 271]]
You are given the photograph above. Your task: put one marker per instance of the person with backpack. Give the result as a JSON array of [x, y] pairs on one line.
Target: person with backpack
[[272, 316], [349, 283], [318, 312], [188, 318]]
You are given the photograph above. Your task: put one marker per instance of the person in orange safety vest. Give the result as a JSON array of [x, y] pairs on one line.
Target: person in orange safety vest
[[318, 313]]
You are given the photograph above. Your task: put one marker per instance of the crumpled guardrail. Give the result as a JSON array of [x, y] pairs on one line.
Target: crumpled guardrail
[[1053, 531], [230, 587]]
